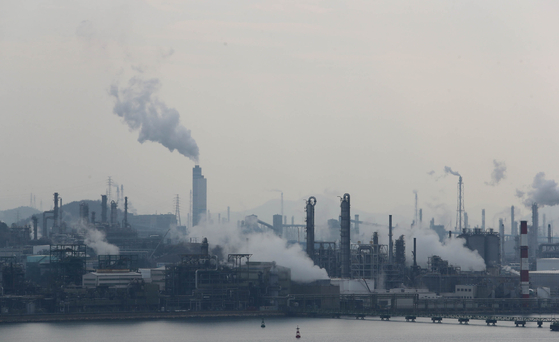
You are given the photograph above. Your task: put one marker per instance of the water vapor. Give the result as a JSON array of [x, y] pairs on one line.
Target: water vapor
[[542, 191], [142, 111], [96, 239], [498, 174], [264, 246], [428, 244]]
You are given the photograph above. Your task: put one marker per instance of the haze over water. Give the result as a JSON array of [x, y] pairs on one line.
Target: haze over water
[[277, 329]]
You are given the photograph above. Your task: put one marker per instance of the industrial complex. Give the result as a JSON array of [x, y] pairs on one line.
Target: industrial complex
[[96, 257]]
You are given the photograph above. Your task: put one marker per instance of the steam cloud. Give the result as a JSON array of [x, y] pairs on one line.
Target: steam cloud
[[543, 191], [448, 170], [264, 246], [143, 111], [96, 239], [498, 173], [428, 244]]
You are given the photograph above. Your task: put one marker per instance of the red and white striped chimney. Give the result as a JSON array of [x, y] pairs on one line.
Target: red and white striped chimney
[[524, 264]]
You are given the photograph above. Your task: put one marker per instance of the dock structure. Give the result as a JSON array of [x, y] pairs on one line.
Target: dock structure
[[489, 319]]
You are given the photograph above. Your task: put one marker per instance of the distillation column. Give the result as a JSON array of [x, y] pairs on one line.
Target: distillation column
[[311, 202]]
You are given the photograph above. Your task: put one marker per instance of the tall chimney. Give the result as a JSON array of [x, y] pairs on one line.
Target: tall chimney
[[482, 219], [103, 208], [92, 217], [55, 213], [513, 231], [502, 239], [524, 263], [34, 218], [414, 252], [125, 212], [390, 244], [345, 236], [113, 213], [549, 237], [533, 234], [311, 202]]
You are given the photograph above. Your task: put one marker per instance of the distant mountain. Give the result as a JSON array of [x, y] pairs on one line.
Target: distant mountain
[[18, 214]]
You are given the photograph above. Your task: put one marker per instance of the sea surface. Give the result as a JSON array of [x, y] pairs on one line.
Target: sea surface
[[277, 329]]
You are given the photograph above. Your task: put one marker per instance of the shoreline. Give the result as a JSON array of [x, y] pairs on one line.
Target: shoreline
[[122, 316]]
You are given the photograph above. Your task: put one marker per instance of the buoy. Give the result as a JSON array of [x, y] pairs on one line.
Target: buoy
[[298, 334], [262, 325]]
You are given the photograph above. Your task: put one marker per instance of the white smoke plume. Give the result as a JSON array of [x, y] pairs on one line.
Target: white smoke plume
[[498, 174], [264, 246], [143, 111], [428, 244], [448, 170], [96, 239], [542, 191]]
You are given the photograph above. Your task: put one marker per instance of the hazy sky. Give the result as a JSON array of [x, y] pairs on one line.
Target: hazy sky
[[307, 97]]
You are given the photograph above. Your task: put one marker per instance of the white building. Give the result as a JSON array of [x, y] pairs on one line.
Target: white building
[[114, 279], [154, 275]]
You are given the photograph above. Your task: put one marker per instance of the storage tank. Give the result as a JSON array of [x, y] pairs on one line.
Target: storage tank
[[492, 249]]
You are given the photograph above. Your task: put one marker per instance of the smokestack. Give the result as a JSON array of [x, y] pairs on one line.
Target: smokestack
[[93, 217], [345, 236], [356, 224], [466, 220], [228, 215], [502, 239], [125, 212], [415, 220], [533, 234], [482, 219], [390, 245], [34, 218], [113, 213], [282, 205], [420, 216], [524, 263], [205, 247], [311, 202], [512, 225], [414, 252], [103, 208], [549, 237], [55, 213]]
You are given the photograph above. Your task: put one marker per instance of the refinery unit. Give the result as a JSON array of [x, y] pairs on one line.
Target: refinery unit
[[131, 264]]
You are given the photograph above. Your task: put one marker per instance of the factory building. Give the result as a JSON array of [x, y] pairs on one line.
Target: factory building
[[110, 278], [487, 244], [199, 196]]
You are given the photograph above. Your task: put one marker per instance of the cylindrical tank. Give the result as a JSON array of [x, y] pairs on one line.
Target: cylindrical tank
[[492, 250], [476, 242]]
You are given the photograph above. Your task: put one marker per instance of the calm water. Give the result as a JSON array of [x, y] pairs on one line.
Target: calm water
[[277, 329]]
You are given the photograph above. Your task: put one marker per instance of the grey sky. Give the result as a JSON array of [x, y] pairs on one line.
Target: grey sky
[[304, 96]]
